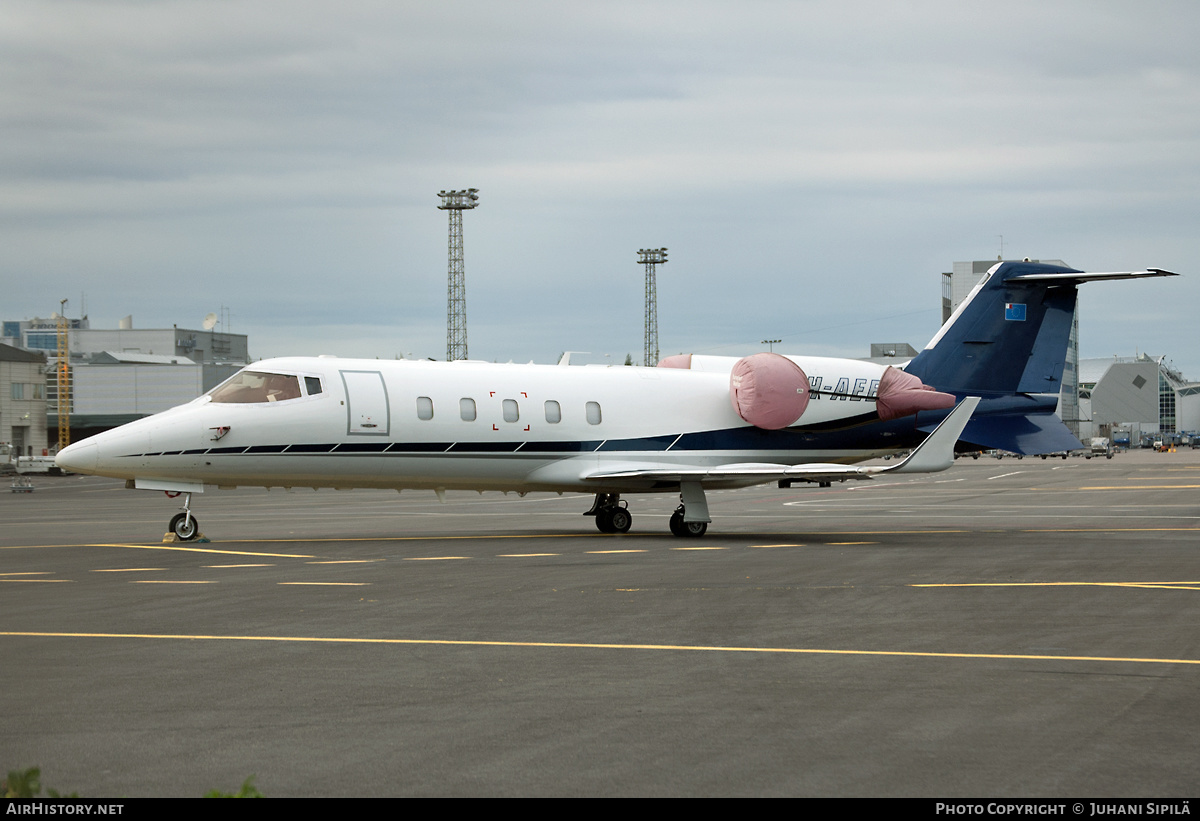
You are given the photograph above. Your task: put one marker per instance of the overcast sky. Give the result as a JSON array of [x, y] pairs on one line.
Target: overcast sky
[[813, 168]]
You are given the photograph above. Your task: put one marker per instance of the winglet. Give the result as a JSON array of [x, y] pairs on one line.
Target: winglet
[[937, 451]]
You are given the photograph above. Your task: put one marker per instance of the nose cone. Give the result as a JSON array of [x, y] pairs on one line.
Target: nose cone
[[77, 458]]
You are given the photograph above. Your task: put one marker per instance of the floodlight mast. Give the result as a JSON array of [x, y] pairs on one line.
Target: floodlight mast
[[456, 290], [62, 367], [651, 258]]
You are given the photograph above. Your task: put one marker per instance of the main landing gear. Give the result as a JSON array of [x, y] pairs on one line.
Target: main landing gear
[[690, 519], [684, 529], [184, 525], [611, 517]]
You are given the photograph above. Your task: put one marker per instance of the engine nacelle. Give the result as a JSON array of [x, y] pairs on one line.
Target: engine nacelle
[[768, 390], [683, 361], [772, 392], [902, 394]]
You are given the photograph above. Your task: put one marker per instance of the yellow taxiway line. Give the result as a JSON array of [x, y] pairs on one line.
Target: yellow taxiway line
[[558, 645]]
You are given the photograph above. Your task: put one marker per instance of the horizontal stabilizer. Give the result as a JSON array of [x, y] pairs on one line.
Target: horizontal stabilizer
[[1026, 434], [1082, 276]]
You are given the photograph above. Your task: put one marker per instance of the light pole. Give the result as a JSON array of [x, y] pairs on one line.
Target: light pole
[[456, 288], [651, 258]]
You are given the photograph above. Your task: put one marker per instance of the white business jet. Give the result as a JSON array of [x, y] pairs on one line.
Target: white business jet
[[991, 377]]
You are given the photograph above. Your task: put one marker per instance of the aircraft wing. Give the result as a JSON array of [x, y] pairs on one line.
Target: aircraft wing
[[764, 472], [934, 454]]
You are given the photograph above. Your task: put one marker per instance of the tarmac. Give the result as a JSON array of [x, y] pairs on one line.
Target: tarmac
[[1007, 628]]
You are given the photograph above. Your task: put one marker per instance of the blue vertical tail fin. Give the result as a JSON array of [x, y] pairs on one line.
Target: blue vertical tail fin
[[1008, 336], [1007, 343]]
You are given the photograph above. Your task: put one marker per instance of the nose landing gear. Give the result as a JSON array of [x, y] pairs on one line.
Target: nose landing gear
[[183, 525]]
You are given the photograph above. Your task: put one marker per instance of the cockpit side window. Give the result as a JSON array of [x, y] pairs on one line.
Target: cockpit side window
[[250, 387], [312, 385]]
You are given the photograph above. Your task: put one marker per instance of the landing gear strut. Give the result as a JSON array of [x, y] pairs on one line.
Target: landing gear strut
[[184, 525], [684, 529], [690, 519], [611, 517]]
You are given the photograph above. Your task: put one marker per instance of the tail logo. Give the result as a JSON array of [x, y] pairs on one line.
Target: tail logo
[[1014, 311]]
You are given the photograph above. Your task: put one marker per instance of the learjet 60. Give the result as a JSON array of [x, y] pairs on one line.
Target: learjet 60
[[990, 377]]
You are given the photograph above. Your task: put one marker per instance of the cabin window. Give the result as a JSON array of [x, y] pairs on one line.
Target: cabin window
[[424, 408], [248, 387], [511, 412], [593, 413], [466, 409], [553, 412], [312, 385]]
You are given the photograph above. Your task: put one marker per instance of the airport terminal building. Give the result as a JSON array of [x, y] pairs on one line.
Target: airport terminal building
[[117, 375], [22, 402], [1139, 394]]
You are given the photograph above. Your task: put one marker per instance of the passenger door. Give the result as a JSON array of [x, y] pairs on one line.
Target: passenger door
[[367, 410]]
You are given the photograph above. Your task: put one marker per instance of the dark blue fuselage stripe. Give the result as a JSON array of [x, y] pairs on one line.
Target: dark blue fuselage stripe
[[897, 434]]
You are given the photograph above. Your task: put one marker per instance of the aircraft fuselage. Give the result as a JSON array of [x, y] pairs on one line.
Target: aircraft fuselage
[[485, 426]]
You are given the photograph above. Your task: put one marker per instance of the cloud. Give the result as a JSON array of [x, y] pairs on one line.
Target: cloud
[[810, 165]]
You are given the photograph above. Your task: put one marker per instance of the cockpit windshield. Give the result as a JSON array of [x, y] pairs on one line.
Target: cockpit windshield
[[249, 387]]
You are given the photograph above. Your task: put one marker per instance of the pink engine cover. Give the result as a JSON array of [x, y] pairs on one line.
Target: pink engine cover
[[768, 390], [679, 360], [902, 394]]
